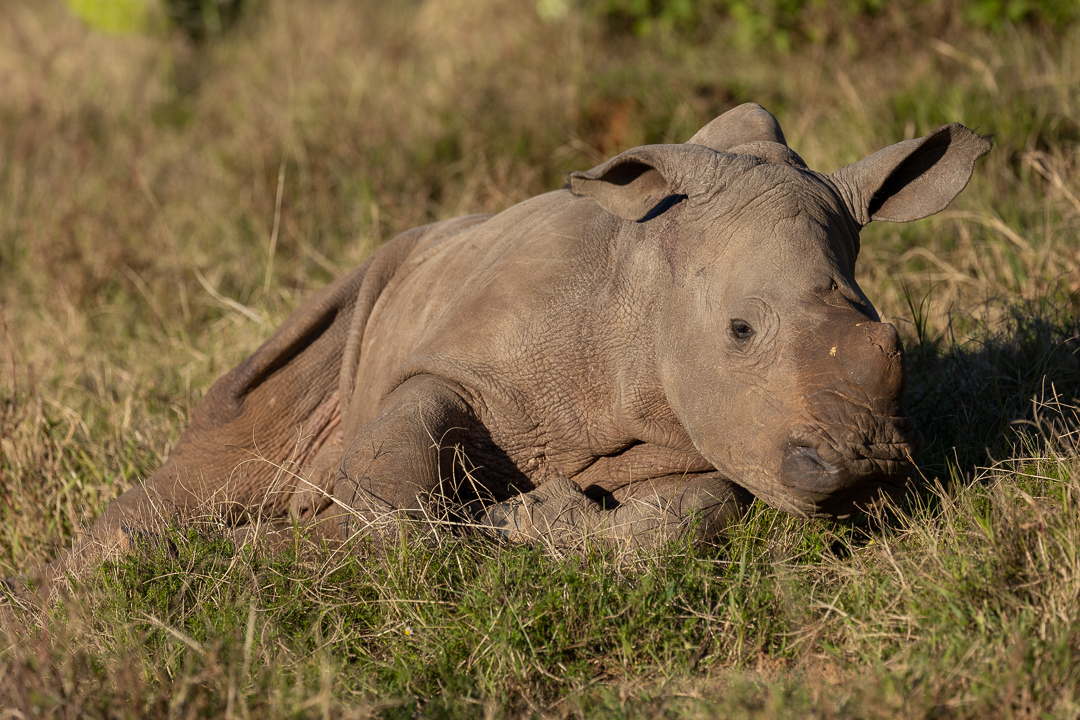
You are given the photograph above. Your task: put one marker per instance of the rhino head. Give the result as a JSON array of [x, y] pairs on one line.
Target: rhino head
[[768, 353]]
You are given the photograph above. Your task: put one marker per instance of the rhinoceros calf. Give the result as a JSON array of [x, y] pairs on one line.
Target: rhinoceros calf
[[626, 359]]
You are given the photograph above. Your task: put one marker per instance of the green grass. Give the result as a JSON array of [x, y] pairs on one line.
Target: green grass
[[140, 178], [966, 604]]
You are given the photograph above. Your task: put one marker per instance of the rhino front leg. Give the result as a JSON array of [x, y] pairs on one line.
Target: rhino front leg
[[403, 463], [647, 514], [664, 509]]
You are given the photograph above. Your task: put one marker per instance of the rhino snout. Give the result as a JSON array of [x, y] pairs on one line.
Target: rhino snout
[[873, 358], [826, 476], [803, 468]]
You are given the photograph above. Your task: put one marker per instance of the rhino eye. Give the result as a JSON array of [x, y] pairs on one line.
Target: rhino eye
[[741, 330]]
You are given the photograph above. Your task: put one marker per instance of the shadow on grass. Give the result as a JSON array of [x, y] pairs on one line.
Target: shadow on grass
[[1010, 391]]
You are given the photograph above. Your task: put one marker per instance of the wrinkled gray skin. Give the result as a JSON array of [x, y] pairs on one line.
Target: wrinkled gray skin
[[637, 354]]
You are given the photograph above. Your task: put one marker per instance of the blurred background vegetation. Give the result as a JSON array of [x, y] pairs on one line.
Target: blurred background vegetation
[[175, 177]]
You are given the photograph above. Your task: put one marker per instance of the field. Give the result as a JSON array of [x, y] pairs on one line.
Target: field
[[165, 202]]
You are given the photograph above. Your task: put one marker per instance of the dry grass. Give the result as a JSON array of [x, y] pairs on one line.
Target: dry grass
[[163, 206]]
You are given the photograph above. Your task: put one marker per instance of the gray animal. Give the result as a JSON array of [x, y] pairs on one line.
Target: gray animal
[[625, 360]]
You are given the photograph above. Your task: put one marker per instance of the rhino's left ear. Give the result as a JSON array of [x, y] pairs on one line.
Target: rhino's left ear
[[635, 184], [911, 179]]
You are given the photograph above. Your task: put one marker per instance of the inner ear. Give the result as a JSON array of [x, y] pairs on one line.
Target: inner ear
[[905, 183], [626, 187], [633, 171], [645, 181], [912, 179]]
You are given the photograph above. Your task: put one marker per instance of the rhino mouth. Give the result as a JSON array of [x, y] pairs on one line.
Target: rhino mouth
[[836, 470]]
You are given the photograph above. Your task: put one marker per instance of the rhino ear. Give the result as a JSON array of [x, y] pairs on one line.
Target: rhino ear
[[746, 123], [635, 184], [911, 179]]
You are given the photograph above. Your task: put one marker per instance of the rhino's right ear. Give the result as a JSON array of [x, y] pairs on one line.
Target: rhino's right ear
[[635, 184], [911, 179]]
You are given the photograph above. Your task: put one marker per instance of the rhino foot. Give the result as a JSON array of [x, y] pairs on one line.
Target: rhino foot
[[649, 514], [557, 512]]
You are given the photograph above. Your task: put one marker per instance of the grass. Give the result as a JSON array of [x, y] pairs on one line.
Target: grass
[[964, 606], [164, 204]]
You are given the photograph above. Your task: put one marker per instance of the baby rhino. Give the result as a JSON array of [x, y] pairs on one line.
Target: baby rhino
[[622, 361]]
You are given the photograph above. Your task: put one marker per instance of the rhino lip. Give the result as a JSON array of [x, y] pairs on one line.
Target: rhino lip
[[817, 464], [805, 469]]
